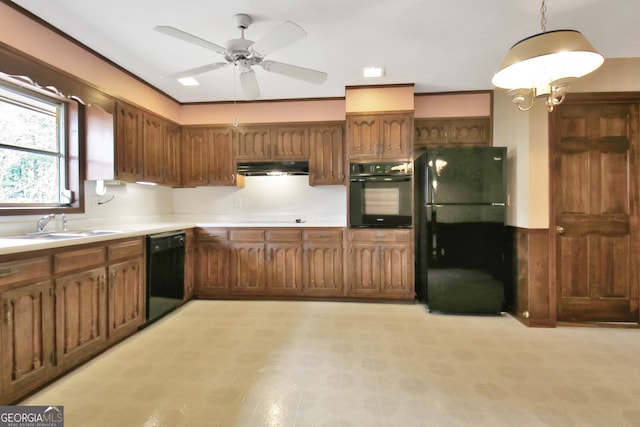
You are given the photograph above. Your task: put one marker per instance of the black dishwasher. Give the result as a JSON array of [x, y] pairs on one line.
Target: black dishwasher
[[165, 273]]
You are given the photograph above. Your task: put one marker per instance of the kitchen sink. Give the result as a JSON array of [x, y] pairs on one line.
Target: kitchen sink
[[60, 235]]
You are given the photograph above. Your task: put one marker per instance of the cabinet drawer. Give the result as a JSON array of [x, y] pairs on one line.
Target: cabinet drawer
[[292, 235], [322, 235], [212, 234], [24, 269], [380, 235], [248, 235], [81, 258], [126, 249]]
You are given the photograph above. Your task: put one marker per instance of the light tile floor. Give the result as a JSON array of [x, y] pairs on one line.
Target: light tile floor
[[270, 363]]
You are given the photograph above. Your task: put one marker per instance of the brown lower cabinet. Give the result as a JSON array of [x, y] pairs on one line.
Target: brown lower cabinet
[[269, 261], [380, 263], [61, 307]]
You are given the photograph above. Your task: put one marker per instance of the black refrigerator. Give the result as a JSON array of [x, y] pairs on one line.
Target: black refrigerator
[[460, 200]]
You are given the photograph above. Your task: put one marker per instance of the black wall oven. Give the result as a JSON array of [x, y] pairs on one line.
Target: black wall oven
[[380, 195]]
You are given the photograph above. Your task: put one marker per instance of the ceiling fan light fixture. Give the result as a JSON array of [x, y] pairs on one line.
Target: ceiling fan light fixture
[[372, 72], [188, 81], [542, 60]]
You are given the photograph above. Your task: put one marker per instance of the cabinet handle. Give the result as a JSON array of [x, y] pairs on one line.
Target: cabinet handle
[[8, 318]]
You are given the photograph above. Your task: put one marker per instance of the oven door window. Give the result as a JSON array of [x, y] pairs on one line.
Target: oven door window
[[380, 203]]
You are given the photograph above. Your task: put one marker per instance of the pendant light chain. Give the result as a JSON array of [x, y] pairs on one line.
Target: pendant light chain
[[543, 19]]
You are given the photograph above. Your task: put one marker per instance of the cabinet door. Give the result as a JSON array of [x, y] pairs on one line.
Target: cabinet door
[[363, 136], [195, 151], [27, 338], [222, 164], [81, 316], [153, 147], [253, 143], [396, 135], [284, 267], [126, 298], [172, 157], [397, 277], [326, 159], [322, 269], [364, 268], [470, 131], [128, 143], [247, 267], [213, 273], [290, 143]]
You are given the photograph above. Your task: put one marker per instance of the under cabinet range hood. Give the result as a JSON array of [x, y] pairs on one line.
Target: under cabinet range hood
[[273, 168]]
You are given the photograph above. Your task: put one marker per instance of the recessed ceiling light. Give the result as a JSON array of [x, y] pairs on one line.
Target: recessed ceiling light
[[372, 72], [188, 81]]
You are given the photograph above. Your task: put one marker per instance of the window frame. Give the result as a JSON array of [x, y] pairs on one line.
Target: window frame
[[70, 132]]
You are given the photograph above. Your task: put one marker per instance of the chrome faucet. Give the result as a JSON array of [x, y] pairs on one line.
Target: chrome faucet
[[42, 222]]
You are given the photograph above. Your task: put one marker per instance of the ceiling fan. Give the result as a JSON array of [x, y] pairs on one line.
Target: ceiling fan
[[244, 54]]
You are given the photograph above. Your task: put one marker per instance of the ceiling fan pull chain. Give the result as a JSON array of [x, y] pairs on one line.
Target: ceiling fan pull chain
[[543, 19]]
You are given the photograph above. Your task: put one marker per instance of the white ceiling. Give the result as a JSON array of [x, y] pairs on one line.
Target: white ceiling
[[439, 45]]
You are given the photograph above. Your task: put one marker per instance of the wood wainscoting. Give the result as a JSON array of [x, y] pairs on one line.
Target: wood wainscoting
[[535, 303]]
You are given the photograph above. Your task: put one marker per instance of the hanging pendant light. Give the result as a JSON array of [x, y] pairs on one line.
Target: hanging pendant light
[[544, 65]]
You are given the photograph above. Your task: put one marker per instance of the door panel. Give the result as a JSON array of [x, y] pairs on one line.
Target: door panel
[[595, 194]]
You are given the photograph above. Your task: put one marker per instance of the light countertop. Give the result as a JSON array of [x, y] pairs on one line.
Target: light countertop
[[17, 244]]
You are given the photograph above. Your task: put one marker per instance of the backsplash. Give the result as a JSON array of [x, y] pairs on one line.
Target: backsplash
[[264, 197]]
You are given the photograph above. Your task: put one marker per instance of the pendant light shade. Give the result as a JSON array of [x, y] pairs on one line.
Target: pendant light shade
[[545, 64], [546, 57]]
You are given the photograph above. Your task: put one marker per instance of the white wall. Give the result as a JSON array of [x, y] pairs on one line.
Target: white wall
[[264, 198], [125, 204]]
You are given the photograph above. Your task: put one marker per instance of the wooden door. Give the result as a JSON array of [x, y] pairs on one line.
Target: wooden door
[[253, 143], [172, 157], [27, 338], [284, 267], [126, 298], [213, 269], [322, 268], [222, 163], [153, 147], [195, 149], [363, 136], [81, 316], [128, 143], [290, 143], [397, 269], [247, 267], [595, 210], [396, 135], [364, 268], [326, 159]]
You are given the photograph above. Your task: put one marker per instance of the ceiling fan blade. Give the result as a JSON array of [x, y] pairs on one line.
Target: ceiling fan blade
[[300, 73], [179, 34], [197, 70], [249, 85], [283, 35]]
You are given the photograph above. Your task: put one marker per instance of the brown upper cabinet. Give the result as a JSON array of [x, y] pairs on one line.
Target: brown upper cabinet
[[208, 156], [326, 159], [146, 147], [128, 143], [262, 143], [379, 136], [460, 131]]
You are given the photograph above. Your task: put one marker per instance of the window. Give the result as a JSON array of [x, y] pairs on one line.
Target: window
[[34, 151]]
